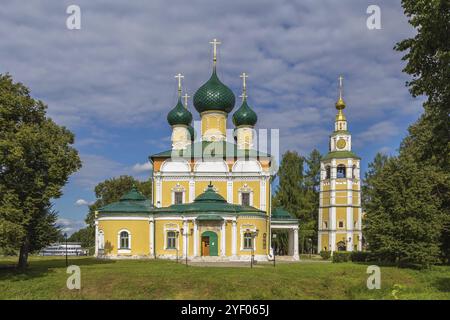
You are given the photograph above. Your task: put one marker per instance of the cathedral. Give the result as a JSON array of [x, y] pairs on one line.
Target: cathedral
[[211, 197]]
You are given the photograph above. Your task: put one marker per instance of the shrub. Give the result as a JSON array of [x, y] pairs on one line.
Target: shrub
[[362, 256], [341, 256], [325, 255]]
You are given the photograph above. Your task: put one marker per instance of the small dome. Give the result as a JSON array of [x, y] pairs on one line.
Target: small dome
[[210, 195], [179, 115], [214, 95], [244, 115]]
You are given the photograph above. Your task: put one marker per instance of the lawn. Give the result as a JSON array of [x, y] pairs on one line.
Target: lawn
[[159, 279]]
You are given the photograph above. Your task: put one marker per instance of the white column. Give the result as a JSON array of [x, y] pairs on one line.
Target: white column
[[333, 240], [262, 194], [234, 239], [158, 192], [152, 236], [195, 238], [185, 240], [230, 190], [295, 255], [191, 189], [96, 238], [350, 243], [222, 239]]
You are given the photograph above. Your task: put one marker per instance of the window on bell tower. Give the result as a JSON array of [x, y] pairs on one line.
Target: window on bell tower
[[328, 172], [340, 171]]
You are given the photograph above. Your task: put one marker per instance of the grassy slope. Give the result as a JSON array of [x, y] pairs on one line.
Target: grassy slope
[[139, 279]]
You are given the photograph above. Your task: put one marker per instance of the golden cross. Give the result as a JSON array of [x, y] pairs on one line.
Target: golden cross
[[341, 78], [215, 43], [186, 100], [179, 76]]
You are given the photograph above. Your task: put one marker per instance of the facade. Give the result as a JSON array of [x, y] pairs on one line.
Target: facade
[[339, 220], [211, 193]]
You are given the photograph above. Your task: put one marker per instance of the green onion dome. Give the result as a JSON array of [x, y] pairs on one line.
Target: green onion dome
[[214, 95], [244, 115], [179, 115]]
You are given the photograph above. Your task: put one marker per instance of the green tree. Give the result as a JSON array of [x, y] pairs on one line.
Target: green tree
[[107, 192], [428, 62], [403, 220], [36, 159]]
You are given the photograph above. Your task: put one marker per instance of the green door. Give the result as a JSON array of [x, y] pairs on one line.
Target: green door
[[213, 243]]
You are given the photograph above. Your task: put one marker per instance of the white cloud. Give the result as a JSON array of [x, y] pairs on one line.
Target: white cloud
[[144, 167], [81, 202], [70, 226]]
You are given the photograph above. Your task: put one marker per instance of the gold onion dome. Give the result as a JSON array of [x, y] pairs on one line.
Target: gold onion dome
[[244, 115], [214, 96], [179, 115]]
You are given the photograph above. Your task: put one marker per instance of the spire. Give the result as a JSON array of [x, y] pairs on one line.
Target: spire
[[214, 43], [340, 104], [244, 86], [179, 76]]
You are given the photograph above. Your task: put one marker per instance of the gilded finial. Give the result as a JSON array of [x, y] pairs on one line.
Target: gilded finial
[[340, 104], [186, 100], [244, 86], [215, 43], [179, 76]]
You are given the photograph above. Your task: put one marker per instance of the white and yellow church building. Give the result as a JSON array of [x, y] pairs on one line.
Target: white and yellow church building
[[211, 197]]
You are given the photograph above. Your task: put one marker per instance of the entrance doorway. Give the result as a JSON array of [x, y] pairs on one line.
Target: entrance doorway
[[209, 243]]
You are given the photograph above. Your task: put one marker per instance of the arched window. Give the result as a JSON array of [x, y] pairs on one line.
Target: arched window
[[124, 240], [248, 240], [328, 172], [340, 171], [354, 171], [341, 246], [101, 240]]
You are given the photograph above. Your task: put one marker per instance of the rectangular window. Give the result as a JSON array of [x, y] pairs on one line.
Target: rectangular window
[[325, 224], [178, 197], [171, 240], [248, 241], [245, 198], [341, 224]]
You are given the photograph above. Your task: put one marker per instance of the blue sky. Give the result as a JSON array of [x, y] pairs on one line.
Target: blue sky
[[112, 82]]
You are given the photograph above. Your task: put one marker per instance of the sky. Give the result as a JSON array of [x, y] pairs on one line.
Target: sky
[[112, 81]]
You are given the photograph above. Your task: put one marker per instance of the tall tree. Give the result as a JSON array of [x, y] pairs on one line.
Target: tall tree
[[403, 220], [107, 192], [428, 62], [36, 159]]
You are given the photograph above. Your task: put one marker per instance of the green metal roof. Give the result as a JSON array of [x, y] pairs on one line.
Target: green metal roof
[[340, 155], [209, 217], [212, 149], [244, 115], [214, 95], [282, 214], [131, 202]]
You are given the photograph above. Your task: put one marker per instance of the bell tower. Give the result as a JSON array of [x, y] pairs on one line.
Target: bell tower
[[339, 226]]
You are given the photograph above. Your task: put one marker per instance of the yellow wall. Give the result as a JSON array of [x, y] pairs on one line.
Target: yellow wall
[[259, 224], [140, 233], [254, 185], [325, 242], [221, 186], [214, 122], [341, 215], [167, 187], [161, 228]]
